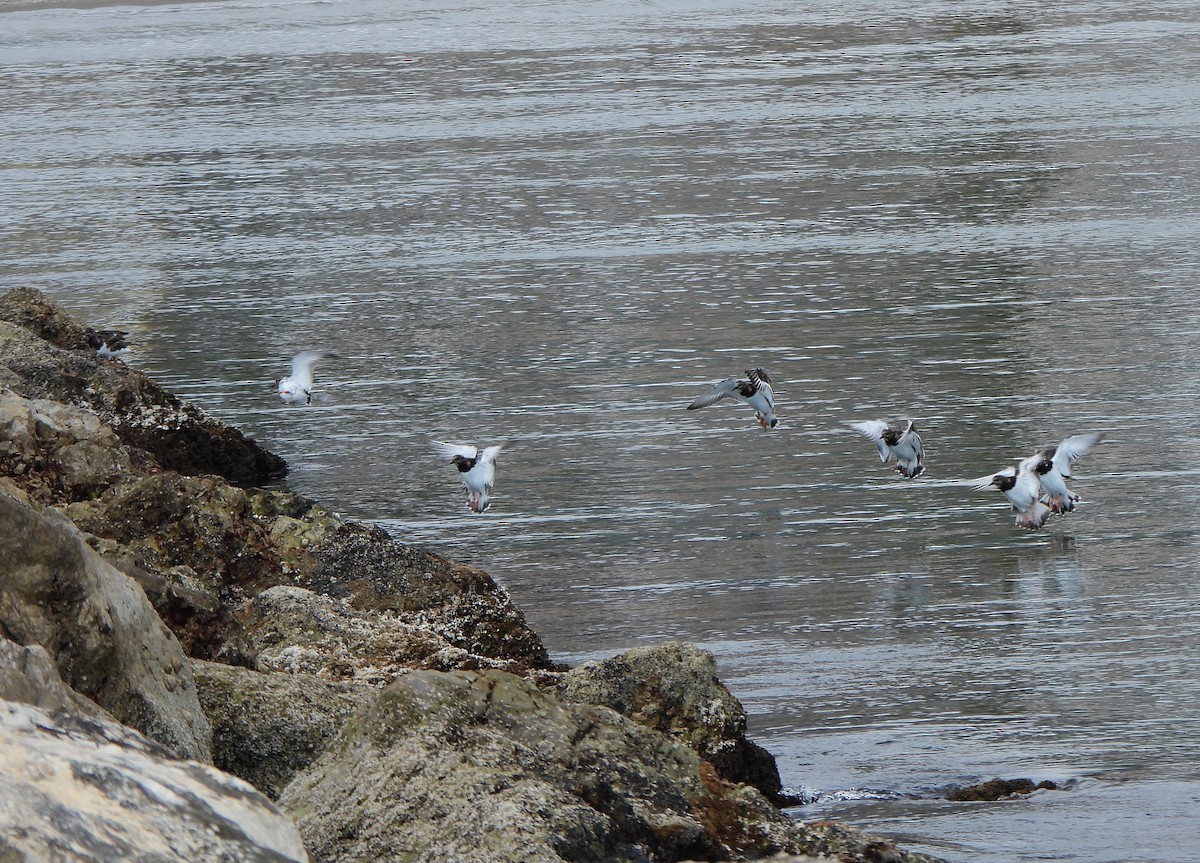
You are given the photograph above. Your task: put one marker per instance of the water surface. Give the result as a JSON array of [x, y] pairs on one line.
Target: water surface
[[554, 224]]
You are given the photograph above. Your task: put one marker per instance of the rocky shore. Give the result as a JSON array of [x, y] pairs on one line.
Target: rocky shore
[[193, 667]]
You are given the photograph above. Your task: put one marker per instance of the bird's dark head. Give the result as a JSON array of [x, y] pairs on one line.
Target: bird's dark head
[[463, 463]]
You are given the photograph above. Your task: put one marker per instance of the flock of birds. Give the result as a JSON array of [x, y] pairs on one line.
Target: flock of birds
[[1036, 486]]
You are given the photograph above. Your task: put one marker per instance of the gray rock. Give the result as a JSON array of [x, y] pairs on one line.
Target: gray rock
[[44, 353], [59, 452], [28, 675], [673, 688], [79, 790], [269, 727], [104, 637], [486, 767], [297, 631]]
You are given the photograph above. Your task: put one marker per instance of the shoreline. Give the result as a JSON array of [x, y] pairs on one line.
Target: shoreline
[[349, 677]]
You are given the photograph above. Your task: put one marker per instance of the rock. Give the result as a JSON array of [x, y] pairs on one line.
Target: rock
[[269, 727], [28, 675], [461, 603], [996, 789], [44, 354], [297, 631], [486, 767], [101, 632], [75, 789], [673, 688], [60, 452], [209, 542]]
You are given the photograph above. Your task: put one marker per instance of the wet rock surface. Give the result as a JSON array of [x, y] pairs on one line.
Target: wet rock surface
[[998, 789], [394, 701]]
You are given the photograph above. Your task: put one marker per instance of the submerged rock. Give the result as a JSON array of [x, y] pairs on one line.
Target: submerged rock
[[998, 789]]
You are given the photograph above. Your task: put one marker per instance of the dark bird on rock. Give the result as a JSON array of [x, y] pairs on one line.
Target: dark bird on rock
[[108, 343]]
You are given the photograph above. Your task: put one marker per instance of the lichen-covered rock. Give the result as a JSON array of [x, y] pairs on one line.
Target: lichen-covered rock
[[78, 790], [104, 637], [673, 688], [461, 603], [486, 767], [269, 727], [44, 354]]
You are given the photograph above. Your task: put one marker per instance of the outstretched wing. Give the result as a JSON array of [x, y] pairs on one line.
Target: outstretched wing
[[302, 366], [449, 450], [489, 454], [725, 389], [1072, 449], [757, 375], [873, 430]]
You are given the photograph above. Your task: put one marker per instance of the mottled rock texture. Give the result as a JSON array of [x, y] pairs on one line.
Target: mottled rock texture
[[673, 688], [81, 790], [103, 635], [269, 727], [486, 767], [44, 353]]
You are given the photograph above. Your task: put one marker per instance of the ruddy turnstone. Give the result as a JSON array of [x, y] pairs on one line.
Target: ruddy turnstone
[[893, 442], [296, 388], [1053, 468], [476, 469], [108, 343], [755, 392], [1021, 486]]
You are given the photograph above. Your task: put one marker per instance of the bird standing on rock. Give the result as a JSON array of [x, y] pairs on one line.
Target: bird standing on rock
[[296, 389], [755, 392], [902, 444], [476, 469], [108, 343]]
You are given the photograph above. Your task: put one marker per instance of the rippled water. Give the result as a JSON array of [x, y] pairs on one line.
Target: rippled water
[[555, 224]]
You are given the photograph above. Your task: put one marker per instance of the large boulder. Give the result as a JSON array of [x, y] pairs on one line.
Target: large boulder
[[486, 767], [269, 727], [78, 789], [102, 633], [45, 354], [213, 539], [673, 688]]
